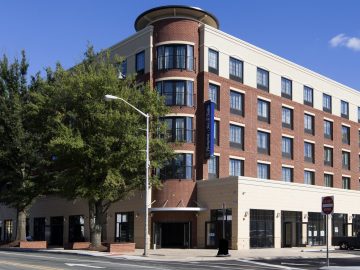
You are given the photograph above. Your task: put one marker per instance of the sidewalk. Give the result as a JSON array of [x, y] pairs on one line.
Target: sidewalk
[[209, 254]]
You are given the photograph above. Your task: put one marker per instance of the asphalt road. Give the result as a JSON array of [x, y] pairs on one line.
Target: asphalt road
[[10, 260]]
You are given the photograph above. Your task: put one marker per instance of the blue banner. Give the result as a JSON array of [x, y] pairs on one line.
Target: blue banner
[[209, 128]]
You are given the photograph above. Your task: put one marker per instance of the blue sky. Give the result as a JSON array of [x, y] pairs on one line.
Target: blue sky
[[322, 35]]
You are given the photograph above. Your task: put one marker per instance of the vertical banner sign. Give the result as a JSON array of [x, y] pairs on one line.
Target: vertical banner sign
[[209, 129]]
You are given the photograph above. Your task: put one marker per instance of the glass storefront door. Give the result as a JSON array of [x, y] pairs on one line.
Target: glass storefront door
[[316, 229]]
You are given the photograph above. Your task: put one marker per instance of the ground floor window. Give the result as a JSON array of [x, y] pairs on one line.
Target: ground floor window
[[124, 227], [39, 229], [8, 230], [339, 224], [76, 229], [356, 225], [1, 230], [220, 226], [316, 229], [261, 228]]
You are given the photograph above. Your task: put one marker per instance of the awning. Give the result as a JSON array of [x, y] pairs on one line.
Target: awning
[[177, 209]]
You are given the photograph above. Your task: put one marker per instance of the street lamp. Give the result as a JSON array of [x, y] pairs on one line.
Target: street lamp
[[146, 225]]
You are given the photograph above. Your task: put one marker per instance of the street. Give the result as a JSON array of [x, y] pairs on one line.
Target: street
[[10, 260]]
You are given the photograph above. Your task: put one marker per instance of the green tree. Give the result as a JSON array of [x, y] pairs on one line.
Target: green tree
[[99, 145], [21, 152]]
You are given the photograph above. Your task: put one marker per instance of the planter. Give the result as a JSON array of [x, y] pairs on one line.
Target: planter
[[121, 247], [79, 245], [33, 244]]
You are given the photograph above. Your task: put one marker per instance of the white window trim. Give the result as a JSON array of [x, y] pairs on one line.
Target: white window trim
[[310, 170], [329, 119], [346, 150], [214, 82], [287, 106], [287, 166], [184, 151], [310, 113], [237, 90], [330, 146], [264, 162], [264, 130], [180, 42], [309, 141], [237, 123], [217, 118], [326, 172], [288, 136], [175, 78], [180, 114], [264, 98], [346, 125], [346, 175], [236, 157]]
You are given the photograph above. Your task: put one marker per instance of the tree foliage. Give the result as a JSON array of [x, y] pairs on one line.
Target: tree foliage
[[22, 157], [99, 146]]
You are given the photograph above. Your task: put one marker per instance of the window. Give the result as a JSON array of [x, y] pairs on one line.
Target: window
[[309, 152], [328, 180], [344, 109], [263, 79], [179, 129], [175, 56], [216, 132], [345, 134], [8, 230], [76, 229], [287, 174], [328, 129], [236, 69], [213, 61], [263, 110], [328, 156], [236, 167], [358, 114], [263, 171], [262, 228], [346, 182], [180, 167], [176, 93], [287, 117], [214, 94], [124, 227], [308, 96], [327, 103], [140, 63], [263, 142], [287, 147], [213, 167], [237, 137], [309, 178], [236, 103], [345, 160], [359, 137], [309, 124], [286, 88], [123, 69]]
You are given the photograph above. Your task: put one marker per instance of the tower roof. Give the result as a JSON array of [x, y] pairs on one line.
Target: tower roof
[[175, 11]]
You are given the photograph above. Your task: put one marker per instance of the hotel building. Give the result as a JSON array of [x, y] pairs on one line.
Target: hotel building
[[252, 165]]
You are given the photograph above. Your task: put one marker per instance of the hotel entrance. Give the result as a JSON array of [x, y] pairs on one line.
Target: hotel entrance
[[291, 229], [172, 234]]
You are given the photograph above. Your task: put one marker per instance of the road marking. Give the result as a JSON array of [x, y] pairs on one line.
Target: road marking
[[299, 264], [270, 265], [30, 266], [83, 265]]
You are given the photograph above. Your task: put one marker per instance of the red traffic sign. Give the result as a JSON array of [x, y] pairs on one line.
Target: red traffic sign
[[327, 205]]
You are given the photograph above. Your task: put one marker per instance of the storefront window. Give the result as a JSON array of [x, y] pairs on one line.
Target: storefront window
[[261, 228]]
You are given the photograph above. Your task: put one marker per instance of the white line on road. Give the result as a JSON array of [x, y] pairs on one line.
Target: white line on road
[[298, 264], [83, 265], [270, 265]]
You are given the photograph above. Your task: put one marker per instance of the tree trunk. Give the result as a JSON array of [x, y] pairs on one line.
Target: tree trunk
[[96, 223], [21, 226]]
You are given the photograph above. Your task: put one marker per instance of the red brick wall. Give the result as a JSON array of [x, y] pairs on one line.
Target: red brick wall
[[251, 124], [177, 192]]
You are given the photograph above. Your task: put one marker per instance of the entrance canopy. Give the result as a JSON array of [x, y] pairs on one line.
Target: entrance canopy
[[177, 209]]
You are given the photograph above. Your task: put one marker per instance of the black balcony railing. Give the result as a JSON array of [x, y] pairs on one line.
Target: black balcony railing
[[175, 61], [180, 135], [178, 99]]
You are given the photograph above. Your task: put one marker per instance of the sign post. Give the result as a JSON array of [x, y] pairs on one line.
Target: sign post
[[327, 208]]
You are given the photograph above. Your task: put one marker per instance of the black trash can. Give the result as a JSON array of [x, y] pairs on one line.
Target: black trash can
[[223, 248]]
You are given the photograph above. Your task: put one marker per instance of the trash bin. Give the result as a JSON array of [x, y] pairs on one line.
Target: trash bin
[[223, 248]]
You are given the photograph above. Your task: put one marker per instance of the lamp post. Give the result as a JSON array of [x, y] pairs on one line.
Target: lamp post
[[146, 225]]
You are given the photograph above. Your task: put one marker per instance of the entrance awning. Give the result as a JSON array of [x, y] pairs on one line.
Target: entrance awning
[[177, 209]]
